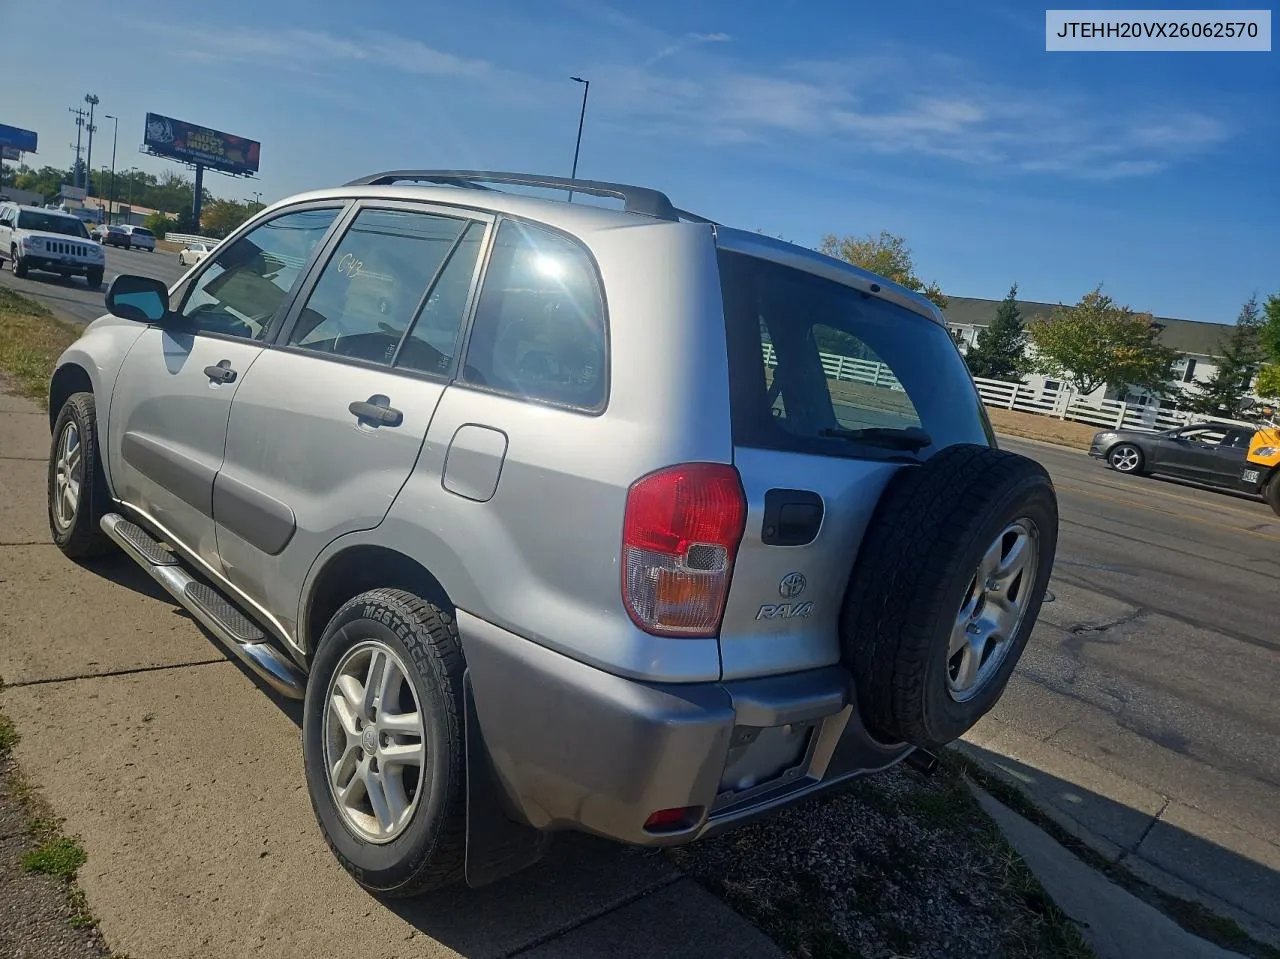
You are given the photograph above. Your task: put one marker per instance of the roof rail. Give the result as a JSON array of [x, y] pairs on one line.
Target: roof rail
[[636, 199]]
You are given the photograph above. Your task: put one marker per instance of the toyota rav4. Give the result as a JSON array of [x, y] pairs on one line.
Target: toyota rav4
[[557, 516]]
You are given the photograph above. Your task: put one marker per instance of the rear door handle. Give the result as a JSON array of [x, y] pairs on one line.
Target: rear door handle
[[376, 411], [221, 373]]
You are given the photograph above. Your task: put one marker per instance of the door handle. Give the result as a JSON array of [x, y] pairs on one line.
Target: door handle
[[221, 373], [376, 411]]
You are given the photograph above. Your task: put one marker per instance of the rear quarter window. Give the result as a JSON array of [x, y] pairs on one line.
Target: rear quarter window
[[821, 368]]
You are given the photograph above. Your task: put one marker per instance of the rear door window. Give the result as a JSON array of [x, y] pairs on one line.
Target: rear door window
[[539, 329], [818, 367], [378, 280]]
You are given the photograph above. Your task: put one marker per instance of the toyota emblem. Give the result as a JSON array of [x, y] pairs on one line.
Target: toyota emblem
[[792, 585]]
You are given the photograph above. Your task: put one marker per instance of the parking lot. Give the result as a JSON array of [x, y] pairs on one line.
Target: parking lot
[[1143, 710]]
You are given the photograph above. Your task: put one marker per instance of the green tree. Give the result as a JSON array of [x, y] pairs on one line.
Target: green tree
[[157, 223], [222, 216], [1226, 392], [1269, 328], [1268, 384], [1099, 343], [885, 255], [1001, 350]]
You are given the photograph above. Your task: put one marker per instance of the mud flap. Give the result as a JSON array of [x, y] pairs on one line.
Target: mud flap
[[497, 845]]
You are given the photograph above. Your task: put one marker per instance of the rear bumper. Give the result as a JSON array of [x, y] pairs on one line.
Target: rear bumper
[[574, 747]]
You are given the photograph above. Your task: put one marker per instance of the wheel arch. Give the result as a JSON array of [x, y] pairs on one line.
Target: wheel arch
[[356, 569], [69, 378]]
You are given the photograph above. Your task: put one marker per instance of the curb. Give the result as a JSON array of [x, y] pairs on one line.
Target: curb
[[1083, 842]]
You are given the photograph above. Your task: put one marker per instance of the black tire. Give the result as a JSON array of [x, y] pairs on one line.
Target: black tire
[[430, 853], [1272, 491], [82, 537], [1120, 455], [912, 576], [94, 279], [15, 263]]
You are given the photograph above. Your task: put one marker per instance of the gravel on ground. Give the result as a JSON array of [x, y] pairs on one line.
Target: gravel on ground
[[895, 864]]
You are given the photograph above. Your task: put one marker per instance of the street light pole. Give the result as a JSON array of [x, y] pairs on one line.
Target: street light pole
[[111, 202], [586, 88]]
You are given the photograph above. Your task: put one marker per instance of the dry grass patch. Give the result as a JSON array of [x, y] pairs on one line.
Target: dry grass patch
[[31, 340], [1046, 428]]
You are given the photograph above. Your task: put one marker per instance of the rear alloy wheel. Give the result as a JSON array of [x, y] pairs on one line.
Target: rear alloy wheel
[[1125, 458], [1272, 492], [947, 585], [382, 737]]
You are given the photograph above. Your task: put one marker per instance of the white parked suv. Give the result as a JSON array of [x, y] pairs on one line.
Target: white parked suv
[[32, 238], [556, 517]]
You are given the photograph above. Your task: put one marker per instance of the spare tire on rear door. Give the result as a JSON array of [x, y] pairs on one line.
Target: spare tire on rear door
[[947, 586]]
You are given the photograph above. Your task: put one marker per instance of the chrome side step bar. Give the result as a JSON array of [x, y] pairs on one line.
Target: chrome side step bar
[[210, 608]]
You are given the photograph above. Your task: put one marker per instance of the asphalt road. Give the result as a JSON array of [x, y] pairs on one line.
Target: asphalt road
[[73, 300], [1159, 661]]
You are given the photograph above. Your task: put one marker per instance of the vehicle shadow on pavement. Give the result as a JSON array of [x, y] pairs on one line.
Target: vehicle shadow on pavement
[[580, 878], [1186, 861]]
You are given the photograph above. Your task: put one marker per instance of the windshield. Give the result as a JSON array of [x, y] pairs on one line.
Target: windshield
[[818, 367], [51, 223]]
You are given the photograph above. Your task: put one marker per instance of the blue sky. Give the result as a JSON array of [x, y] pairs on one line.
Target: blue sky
[[1153, 173]]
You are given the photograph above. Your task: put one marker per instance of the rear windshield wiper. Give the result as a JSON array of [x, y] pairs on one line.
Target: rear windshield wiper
[[911, 438]]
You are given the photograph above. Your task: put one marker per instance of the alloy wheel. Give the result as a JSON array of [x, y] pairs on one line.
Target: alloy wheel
[[992, 610], [375, 745]]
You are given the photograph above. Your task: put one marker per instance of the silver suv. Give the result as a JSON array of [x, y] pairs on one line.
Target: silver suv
[[557, 516]]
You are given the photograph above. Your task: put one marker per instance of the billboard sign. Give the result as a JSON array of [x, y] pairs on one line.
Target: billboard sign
[[10, 153], [189, 143], [19, 139]]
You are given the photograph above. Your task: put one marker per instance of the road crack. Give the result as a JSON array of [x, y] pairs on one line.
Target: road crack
[[1080, 629]]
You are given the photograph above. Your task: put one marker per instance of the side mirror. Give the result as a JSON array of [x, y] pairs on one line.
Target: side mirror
[[139, 298]]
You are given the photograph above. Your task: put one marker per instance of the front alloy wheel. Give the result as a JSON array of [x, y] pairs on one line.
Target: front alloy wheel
[[68, 477], [77, 488], [1125, 458]]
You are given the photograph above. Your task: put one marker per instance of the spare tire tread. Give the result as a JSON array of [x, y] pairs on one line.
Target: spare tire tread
[[899, 585]]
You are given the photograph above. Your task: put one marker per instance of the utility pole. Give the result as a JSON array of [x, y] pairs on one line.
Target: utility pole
[[80, 116], [93, 101]]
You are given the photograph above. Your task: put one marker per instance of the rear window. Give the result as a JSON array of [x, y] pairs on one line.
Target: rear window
[[142, 231], [818, 367]]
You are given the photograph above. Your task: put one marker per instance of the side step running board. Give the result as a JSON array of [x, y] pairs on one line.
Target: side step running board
[[209, 607]]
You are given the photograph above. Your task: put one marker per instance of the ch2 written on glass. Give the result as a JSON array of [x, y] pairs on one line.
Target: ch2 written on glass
[[1212, 31]]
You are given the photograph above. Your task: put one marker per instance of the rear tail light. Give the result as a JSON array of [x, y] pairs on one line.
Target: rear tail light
[[681, 534]]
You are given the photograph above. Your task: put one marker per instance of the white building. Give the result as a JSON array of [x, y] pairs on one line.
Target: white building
[[1197, 343]]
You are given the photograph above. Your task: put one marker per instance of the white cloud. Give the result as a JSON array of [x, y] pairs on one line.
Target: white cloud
[[685, 42], [887, 103], [926, 107]]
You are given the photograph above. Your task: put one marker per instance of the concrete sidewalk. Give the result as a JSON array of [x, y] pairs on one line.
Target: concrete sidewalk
[[1178, 849], [183, 779]]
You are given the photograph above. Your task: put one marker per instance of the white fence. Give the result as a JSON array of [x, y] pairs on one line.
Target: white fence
[[189, 238], [1061, 403]]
